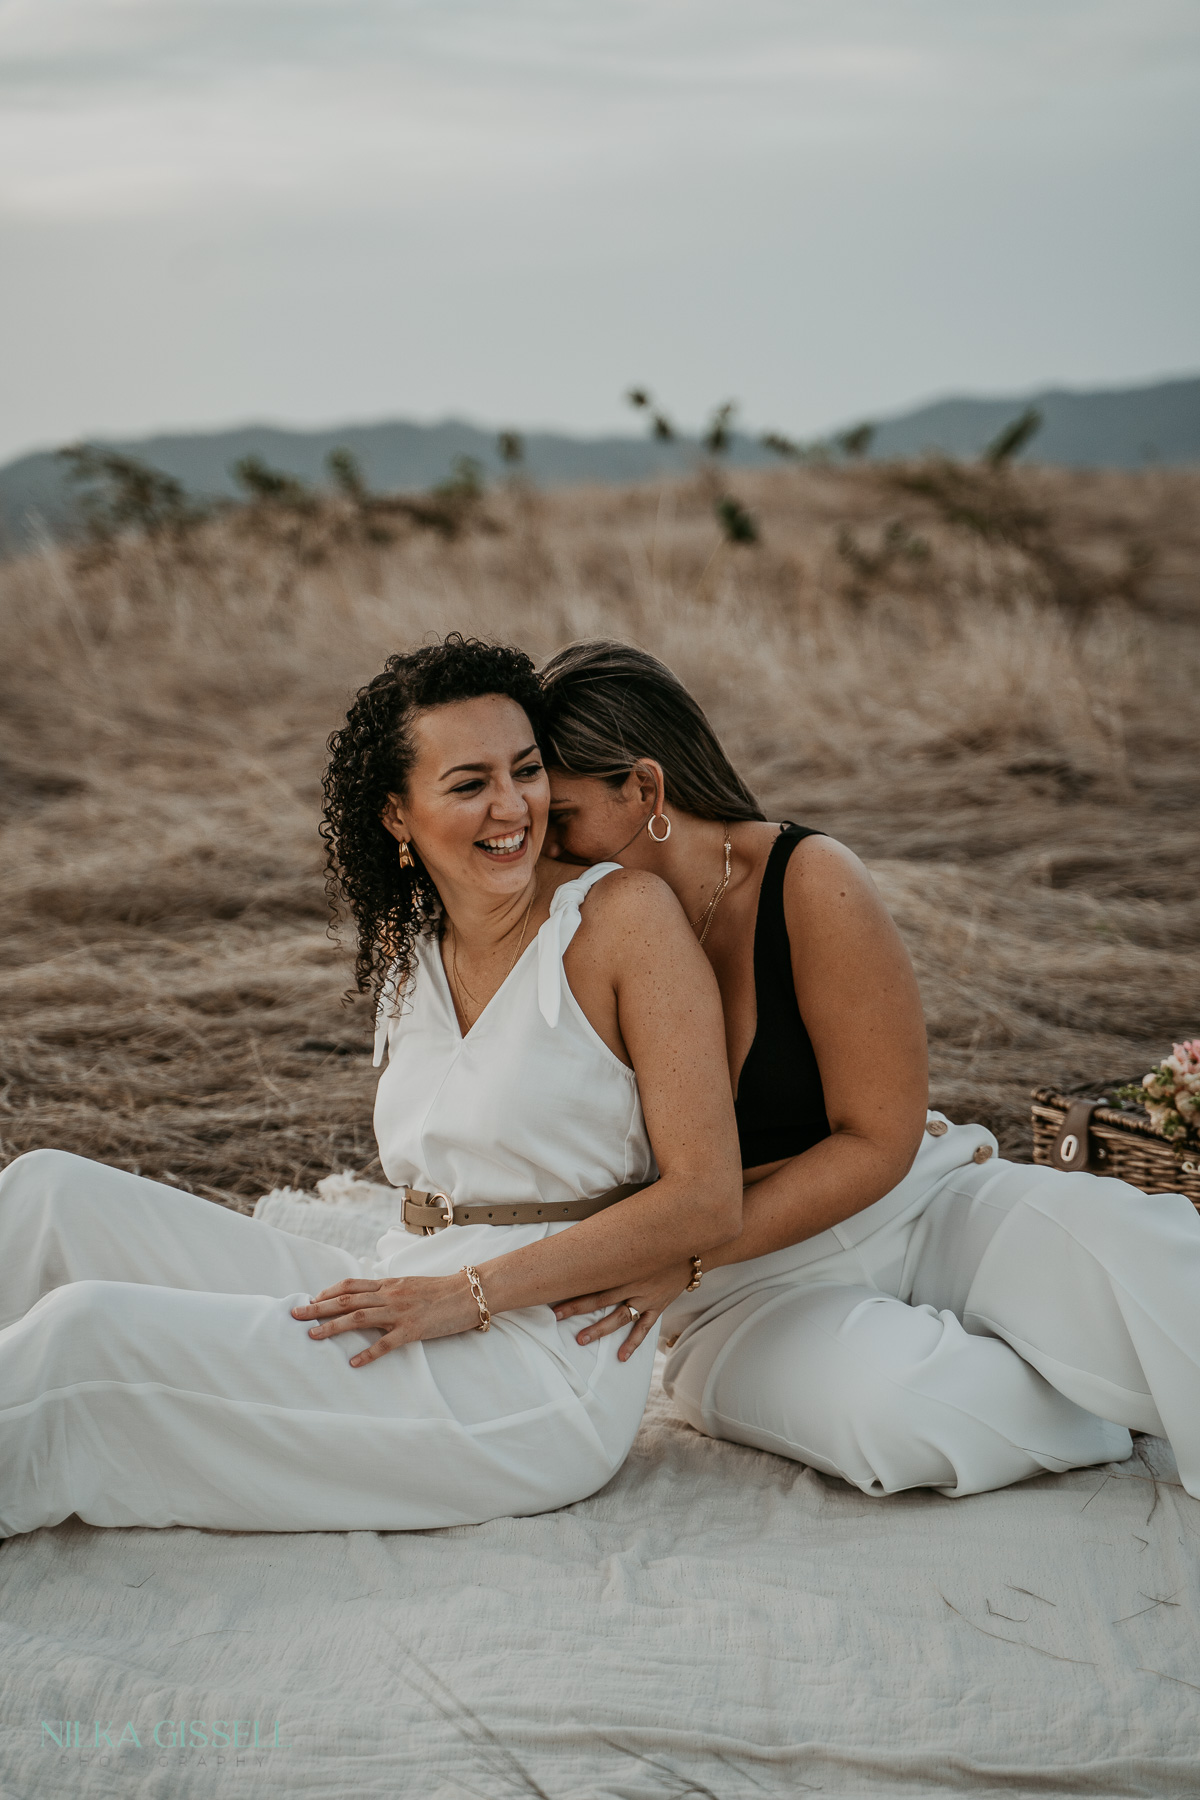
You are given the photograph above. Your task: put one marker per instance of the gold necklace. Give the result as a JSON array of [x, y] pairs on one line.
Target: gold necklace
[[457, 983], [706, 917]]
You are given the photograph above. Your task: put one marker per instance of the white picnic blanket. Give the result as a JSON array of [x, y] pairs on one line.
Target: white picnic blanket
[[716, 1621]]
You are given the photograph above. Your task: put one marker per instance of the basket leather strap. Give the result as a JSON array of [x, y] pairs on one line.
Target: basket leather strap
[[428, 1212], [1071, 1149]]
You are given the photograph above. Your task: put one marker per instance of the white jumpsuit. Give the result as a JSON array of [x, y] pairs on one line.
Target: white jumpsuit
[[151, 1372], [983, 1322]]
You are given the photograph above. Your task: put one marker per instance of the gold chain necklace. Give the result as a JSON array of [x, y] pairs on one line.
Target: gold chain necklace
[[706, 917], [457, 983]]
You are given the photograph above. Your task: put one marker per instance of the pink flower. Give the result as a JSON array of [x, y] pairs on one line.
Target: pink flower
[[1171, 1092]]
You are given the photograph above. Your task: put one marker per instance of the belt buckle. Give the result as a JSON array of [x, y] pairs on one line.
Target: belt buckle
[[447, 1218], [447, 1202]]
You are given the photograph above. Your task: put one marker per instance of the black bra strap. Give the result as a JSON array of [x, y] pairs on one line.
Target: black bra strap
[[772, 947]]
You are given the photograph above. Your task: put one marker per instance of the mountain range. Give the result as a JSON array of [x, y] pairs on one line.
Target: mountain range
[[1126, 428]]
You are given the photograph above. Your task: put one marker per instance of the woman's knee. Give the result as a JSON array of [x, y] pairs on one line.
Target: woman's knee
[[42, 1171], [849, 1349], [835, 1381], [1100, 1213], [81, 1324]]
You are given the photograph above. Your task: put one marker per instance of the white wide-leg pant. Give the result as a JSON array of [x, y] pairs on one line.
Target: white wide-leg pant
[[1014, 1320], [151, 1373]]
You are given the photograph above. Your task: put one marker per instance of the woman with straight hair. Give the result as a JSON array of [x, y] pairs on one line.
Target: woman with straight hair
[[555, 1110], [903, 1307]]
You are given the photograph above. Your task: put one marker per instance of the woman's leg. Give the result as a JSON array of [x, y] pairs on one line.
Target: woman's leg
[[133, 1404], [855, 1383], [63, 1219], [1094, 1283]]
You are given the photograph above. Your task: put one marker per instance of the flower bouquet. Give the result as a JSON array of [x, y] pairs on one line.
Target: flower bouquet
[[1170, 1092], [1144, 1132]]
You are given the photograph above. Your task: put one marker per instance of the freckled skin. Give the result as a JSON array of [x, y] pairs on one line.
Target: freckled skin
[[643, 984], [854, 985]]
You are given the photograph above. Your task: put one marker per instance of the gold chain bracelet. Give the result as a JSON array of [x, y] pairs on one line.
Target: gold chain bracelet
[[485, 1317], [697, 1274]]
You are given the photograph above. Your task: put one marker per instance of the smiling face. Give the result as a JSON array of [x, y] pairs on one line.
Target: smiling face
[[476, 802]]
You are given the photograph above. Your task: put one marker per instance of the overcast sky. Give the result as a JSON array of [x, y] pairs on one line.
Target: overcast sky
[[313, 211]]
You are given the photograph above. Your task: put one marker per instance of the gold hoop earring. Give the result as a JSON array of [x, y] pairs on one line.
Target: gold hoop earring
[[650, 827], [406, 855]]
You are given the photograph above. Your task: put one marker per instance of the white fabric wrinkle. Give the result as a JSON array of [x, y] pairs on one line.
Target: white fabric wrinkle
[[762, 1625], [151, 1329], [387, 1012], [555, 937]]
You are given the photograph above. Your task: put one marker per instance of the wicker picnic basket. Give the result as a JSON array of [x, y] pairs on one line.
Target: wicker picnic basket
[[1111, 1137]]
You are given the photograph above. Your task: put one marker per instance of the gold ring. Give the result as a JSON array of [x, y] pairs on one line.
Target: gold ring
[[634, 1314]]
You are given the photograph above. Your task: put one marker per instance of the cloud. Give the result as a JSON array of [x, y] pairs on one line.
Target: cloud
[[314, 208], [123, 108]]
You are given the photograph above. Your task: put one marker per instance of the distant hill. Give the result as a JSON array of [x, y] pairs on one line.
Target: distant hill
[[395, 457], [1116, 428], [1122, 428]]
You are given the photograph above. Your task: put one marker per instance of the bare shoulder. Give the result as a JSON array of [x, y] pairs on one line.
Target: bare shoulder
[[826, 884], [633, 900], [635, 966]]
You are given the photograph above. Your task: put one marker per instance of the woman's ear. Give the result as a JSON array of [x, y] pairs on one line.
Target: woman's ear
[[648, 782], [392, 819]]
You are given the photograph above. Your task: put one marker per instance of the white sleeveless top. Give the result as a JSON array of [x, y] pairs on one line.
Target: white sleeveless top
[[530, 1105]]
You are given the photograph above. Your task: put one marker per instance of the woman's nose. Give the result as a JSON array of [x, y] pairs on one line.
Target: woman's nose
[[510, 805]]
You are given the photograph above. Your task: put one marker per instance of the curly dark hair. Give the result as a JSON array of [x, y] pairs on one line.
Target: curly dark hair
[[371, 757]]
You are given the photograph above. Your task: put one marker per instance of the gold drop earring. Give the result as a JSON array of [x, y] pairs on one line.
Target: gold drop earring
[[406, 855]]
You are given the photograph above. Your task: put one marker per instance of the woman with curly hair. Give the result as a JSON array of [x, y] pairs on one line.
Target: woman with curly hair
[[902, 1308], [555, 1109]]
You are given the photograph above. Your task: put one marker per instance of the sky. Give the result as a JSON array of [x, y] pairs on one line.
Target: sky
[[319, 211]]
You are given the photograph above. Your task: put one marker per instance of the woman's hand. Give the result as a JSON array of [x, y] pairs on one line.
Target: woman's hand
[[406, 1310], [650, 1299]]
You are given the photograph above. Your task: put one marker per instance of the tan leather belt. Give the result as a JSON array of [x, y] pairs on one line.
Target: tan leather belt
[[425, 1213]]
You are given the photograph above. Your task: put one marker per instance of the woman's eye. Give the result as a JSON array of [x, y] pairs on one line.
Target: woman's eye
[[529, 771], [467, 787]]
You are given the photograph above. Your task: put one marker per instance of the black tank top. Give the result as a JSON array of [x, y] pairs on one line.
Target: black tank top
[[780, 1104]]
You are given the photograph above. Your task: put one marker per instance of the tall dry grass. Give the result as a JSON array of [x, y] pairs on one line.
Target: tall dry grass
[[1018, 769]]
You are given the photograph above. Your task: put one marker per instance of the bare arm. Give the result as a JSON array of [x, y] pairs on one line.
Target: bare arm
[[860, 1003], [648, 989], [668, 1013], [859, 1000]]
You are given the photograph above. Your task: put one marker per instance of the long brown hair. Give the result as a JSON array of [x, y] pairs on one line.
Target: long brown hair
[[607, 704]]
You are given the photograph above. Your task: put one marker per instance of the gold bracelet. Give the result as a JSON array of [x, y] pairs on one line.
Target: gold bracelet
[[485, 1317], [697, 1274]]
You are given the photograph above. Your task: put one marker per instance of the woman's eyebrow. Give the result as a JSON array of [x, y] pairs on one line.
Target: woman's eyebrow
[[482, 768]]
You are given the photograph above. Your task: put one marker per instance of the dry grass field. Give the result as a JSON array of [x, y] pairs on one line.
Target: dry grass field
[[989, 688]]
